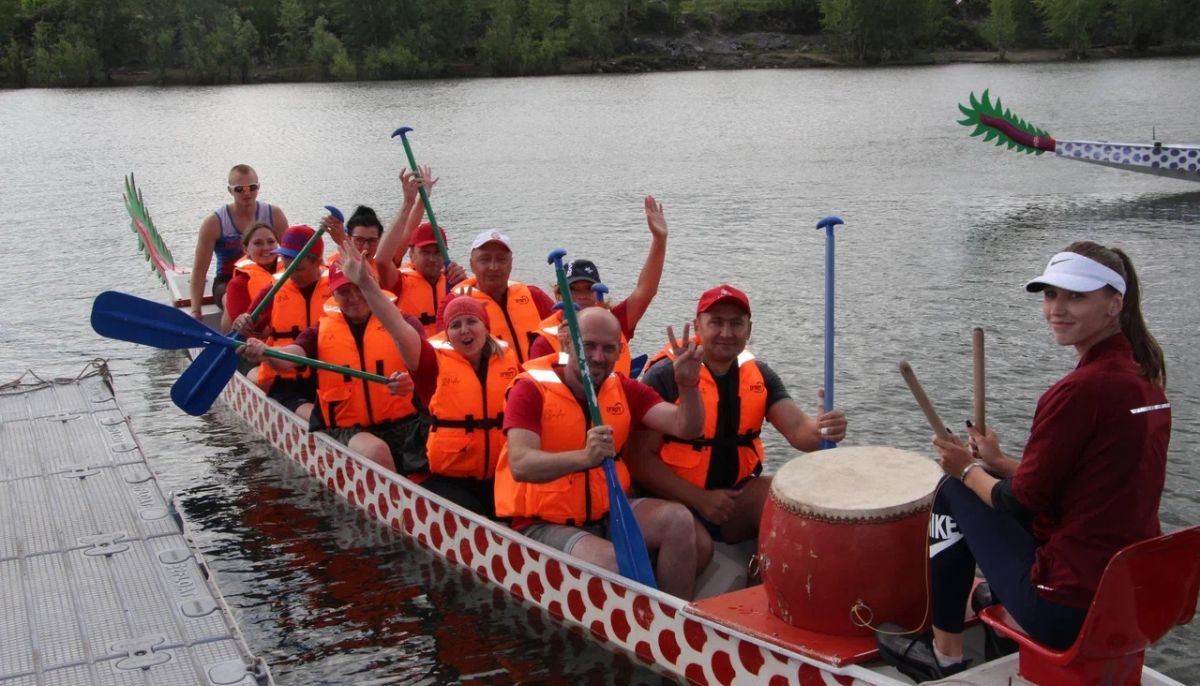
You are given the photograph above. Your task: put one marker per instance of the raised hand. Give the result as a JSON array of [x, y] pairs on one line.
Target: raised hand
[[687, 358], [336, 228], [426, 178], [655, 218], [354, 265], [409, 184]]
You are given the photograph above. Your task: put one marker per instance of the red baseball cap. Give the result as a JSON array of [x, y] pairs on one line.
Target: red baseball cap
[[424, 235], [337, 278], [720, 294]]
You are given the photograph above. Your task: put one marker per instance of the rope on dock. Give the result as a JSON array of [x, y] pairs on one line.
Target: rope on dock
[[30, 379]]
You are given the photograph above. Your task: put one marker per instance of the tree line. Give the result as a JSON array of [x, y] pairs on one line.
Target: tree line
[[97, 42]]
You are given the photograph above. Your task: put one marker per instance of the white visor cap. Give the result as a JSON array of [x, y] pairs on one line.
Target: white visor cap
[[1075, 272]]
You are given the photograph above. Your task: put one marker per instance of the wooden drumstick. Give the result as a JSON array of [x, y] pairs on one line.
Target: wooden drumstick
[[910, 378], [977, 347]]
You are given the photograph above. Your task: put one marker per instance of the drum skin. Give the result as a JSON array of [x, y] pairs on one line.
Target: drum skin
[[842, 574]]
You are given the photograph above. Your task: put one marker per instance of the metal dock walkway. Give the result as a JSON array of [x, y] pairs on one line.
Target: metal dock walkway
[[98, 584]]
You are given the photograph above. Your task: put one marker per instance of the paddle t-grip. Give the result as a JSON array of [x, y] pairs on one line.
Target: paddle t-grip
[[337, 214], [600, 290], [556, 257]]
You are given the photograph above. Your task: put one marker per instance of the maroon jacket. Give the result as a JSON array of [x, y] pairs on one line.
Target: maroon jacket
[[1093, 470]]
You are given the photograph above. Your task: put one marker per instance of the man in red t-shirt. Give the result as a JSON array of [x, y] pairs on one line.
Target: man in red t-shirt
[[550, 479]]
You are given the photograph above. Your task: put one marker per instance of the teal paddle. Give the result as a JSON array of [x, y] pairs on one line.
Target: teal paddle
[[402, 132], [198, 387], [633, 560]]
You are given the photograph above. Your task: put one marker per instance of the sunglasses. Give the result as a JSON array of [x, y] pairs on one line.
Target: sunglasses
[[244, 189]]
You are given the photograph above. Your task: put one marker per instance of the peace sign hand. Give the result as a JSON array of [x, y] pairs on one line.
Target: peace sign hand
[[687, 358]]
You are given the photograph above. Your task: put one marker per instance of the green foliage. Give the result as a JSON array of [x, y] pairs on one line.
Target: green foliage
[[82, 42], [1000, 29], [328, 54], [874, 30], [1071, 22]]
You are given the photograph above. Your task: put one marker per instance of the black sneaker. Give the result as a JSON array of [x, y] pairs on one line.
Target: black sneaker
[[912, 654], [994, 645]]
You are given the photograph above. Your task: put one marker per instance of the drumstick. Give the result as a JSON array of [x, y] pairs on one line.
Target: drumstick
[[910, 378], [977, 346]]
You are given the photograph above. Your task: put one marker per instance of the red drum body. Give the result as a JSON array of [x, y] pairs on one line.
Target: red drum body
[[842, 539]]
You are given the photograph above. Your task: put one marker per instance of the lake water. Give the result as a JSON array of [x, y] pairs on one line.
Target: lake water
[[941, 231]]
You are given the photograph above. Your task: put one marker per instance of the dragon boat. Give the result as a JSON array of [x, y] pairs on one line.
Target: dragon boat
[[995, 122], [727, 638]]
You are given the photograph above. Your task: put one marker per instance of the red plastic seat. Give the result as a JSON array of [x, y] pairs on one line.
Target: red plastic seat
[[1147, 589]]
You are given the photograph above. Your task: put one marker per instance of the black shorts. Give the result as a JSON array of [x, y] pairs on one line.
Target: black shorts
[[220, 283]]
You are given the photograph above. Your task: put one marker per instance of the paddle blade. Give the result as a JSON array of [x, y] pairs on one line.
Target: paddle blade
[[198, 387], [137, 320], [637, 364], [633, 560]]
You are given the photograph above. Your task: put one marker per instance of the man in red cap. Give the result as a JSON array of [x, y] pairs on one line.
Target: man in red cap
[[380, 421], [718, 474], [297, 305], [221, 234], [424, 282]]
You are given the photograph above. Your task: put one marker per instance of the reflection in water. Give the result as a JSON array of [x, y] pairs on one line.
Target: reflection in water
[[341, 596]]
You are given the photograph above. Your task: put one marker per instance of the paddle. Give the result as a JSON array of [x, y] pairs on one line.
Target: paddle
[[129, 318], [198, 387], [977, 348], [828, 223], [633, 560], [402, 132]]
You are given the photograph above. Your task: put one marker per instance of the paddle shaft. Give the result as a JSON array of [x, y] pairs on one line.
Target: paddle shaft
[[828, 223], [437, 232], [931, 415], [577, 342], [307, 361], [287, 273], [978, 386]]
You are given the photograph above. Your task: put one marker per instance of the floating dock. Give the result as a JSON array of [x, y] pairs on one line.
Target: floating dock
[[99, 583]]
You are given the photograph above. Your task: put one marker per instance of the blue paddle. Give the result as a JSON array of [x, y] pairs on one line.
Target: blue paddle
[[633, 560], [198, 387], [127, 317], [828, 223]]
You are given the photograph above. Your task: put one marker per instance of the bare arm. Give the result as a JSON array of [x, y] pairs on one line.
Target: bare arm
[[531, 464], [206, 242], [408, 340], [650, 472], [279, 221], [648, 279], [803, 431]]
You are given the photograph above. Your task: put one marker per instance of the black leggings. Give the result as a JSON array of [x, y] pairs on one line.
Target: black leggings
[[475, 495], [963, 531]]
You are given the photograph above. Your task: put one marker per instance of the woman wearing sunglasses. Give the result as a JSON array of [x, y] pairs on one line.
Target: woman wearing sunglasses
[[221, 234]]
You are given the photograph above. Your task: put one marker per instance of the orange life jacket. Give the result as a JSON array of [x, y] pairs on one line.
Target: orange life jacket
[[549, 328], [466, 417], [291, 314], [258, 278], [516, 321], [420, 298], [581, 497], [690, 458], [347, 401]]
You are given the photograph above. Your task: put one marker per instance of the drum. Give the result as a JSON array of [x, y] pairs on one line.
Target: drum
[[842, 539]]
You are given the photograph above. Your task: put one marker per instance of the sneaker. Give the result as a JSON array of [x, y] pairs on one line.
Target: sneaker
[[912, 654], [994, 645]]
